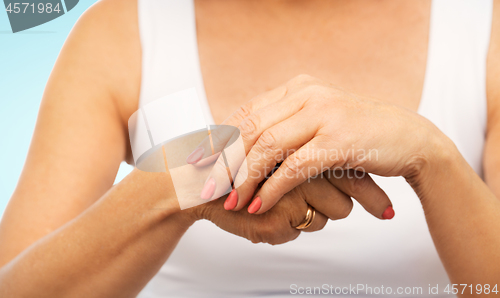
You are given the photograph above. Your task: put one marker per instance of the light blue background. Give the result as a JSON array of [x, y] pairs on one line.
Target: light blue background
[[26, 60]]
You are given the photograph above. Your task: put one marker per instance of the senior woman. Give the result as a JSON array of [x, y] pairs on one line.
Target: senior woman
[[68, 232]]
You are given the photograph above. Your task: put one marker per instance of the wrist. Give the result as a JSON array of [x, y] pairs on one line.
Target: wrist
[[431, 163], [157, 196]]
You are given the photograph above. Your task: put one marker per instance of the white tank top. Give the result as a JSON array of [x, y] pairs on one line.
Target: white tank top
[[209, 262]]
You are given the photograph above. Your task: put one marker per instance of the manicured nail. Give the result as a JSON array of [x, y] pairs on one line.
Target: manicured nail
[[208, 190], [195, 156], [231, 200], [255, 206], [388, 213]]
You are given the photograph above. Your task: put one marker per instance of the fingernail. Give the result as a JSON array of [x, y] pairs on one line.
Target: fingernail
[[388, 213], [208, 190], [231, 200], [195, 156], [255, 206]]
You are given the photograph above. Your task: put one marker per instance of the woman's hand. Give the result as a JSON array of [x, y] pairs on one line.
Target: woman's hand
[[313, 127], [278, 225]]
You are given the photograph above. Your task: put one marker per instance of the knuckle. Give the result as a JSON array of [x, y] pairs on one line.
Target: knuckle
[[297, 194], [274, 226], [294, 164], [244, 111], [267, 142], [249, 126], [282, 235], [345, 210], [302, 78], [358, 185], [314, 89], [254, 233], [270, 232], [255, 237], [298, 205], [298, 197]]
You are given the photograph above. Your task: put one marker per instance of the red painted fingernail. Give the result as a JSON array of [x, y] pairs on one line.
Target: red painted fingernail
[[388, 213], [255, 206], [231, 200], [208, 190], [195, 156]]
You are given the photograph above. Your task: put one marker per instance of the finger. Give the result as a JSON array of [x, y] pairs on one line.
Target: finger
[[234, 151], [319, 222], [325, 198], [274, 227], [217, 139], [295, 203], [255, 104], [248, 131], [270, 108], [222, 174], [361, 187], [308, 161], [273, 146], [252, 127], [218, 181], [234, 120], [208, 161]]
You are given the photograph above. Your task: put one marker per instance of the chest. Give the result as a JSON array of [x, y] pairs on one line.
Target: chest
[[377, 50]]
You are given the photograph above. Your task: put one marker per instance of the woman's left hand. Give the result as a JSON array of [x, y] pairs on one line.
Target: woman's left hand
[[313, 127]]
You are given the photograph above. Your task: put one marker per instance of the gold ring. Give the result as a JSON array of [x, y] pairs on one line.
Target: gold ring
[[308, 220]]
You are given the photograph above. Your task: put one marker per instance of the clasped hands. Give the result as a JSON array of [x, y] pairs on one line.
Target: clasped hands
[[327, 141]]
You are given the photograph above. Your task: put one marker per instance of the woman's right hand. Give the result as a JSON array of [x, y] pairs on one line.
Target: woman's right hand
[[277, 226]]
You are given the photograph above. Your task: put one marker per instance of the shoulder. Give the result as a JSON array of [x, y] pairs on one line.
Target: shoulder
[[111, 16], [104, 46], [100, 63], [108, 24]]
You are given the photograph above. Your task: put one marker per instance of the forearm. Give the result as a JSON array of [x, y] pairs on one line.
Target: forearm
[[463, 217], [110, 250]]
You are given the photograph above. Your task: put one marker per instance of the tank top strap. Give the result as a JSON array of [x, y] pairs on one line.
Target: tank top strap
[[454, 94], [170, 60]]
